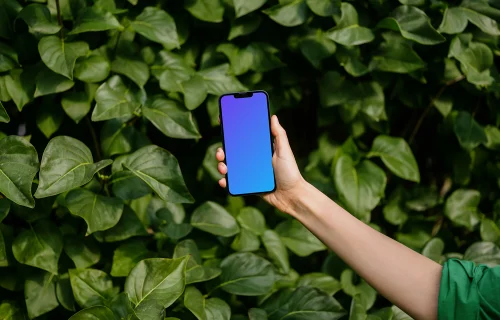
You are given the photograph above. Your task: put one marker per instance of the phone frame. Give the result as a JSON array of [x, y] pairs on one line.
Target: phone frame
[[270, 137]]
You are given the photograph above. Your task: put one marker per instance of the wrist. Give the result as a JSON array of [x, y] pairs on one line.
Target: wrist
[[297, 198]]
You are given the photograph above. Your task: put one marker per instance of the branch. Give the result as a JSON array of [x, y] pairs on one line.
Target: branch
[[94, 138], [429, 106], [59, 19]]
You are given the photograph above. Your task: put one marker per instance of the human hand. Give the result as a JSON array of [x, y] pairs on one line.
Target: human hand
[[289, 181]]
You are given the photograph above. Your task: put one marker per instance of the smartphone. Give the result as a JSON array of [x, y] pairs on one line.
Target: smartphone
[[247, 141]]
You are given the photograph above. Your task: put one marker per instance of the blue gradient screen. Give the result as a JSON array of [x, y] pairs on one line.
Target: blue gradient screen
[[247, 144]]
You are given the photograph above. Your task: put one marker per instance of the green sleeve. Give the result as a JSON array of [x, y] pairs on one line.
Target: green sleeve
[[468, 291]]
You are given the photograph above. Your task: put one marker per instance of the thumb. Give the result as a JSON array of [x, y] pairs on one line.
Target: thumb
[[282, 145]]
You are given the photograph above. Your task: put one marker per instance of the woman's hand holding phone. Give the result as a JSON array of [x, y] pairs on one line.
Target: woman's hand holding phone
[[289, 181]]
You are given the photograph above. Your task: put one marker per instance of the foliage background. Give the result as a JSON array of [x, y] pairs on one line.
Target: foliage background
[[391, 109]]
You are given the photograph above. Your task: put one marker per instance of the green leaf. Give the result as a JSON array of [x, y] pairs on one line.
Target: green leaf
[[217, 309], [454, 21], [393, 211], [195, 272], [195, 92], [206, 10], [4, 208], [8, 58], [134, 69], [49, 118], [64, 292], [334, 89], [157, 25], [38, 19], [461, 208], [171, 70], [483, 253], [434, 249], [152, 292], [469, 133], [91, 287], [347, 31], [16, 180], [210, 162], [257, 314], [114, 99], [213, 218], [218, 80], [252, 219], [243, 7], [492, 137], [290, 14], [40, 293], [246, 274], [77, 104], [84, 252], [396, 55], [60, 56], [305, 303], [241, 60], [298, 239], [321, 281], [490, 231], [48, 82], [166, 182], [245, 241], [263, 57], [128, 226], [367, 294], [39, 247], [20, 85], [195, 302], [94, 313], [396, 154], [122, 307], [360, 186], [324, 8], [171, 119], [276, 250], [316, 47], [66, 164], [413, 24], [94, 68], [244, 26], [9, 310], [119, 137], [126, 257], [415, 239], [176, 231], [99, 212], [483, 22], [93, 20]]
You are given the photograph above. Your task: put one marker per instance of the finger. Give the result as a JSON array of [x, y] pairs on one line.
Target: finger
[[282, 145], [222, 168], [222, 182], [219, 119], [219, 154]]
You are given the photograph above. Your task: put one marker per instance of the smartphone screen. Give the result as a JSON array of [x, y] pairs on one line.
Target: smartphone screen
[[247, 143]]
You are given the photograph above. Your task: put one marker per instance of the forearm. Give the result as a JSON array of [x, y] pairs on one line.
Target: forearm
[[406, 278]]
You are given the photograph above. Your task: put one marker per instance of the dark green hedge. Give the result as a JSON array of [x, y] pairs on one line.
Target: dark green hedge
[[109, 204]]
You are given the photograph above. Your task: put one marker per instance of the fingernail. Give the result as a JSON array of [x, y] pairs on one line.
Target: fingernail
[[277, 119]]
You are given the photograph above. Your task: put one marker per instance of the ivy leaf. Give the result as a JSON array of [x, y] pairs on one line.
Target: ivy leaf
[[245, 241], [97, 312], [321, 281], [461, 207], [492, 135], [60, 56], [11, 310], [289, 14], [216, 309], [367, 294], [316, 47], [413, 24], [257, 314], [195, 272], [347, 31], [94, 68], [16, 180], [263, 57], [296, 303], [39, 247], [171, 70], [93, 20], [128, 226], [324, 8], [49, 82], [246, 274], [66, 164], [40, 293], [8, 58], [122, 307], [276, 250], [244, 26], [218, 80], [134, 69], [91, 287], [298, 239], [213, 218], [152, 292], [490, 231], [170, 118], [397, 156], [77, 104], [20, 85], [360, 186], [486, 253], [166, 182], [126, 257], [252, 219], [396, 55], [205, 10], [434, 249], [64, 292], [195, 92], [158, 26], [99, 212], [393, 211], [455, 21], [83, 252], [243, 7], [114, 99], [469, 133], [195, 302], [49, 118], [38, 19]]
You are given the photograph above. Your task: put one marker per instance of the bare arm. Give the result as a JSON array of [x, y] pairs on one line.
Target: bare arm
[[406, 278]]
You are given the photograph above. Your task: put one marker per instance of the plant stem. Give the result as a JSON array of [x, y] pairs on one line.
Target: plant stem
[[94, 138], [429, 106], [59, 19]]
